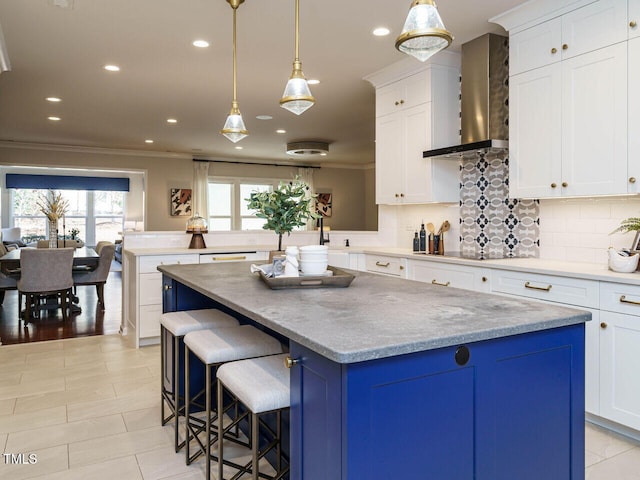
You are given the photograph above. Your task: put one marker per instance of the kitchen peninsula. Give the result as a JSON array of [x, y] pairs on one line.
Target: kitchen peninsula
[[399, 379]]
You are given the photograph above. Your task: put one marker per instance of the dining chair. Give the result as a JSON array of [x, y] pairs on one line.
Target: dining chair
[[45, 273], [97, 277], [61, 243]]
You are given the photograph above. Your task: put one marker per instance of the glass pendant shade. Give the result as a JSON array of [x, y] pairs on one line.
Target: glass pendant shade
[[424, 33], [234, 128], [297, 97]]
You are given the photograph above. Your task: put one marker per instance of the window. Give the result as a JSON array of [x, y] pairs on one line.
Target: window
[[228, 207], [96, 215]]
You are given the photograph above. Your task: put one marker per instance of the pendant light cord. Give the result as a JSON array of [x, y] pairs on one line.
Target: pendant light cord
[[235, 74], [297, 40]]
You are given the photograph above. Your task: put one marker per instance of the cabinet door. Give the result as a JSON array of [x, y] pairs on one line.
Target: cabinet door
[[416, 125], [388, 99], [535, 144], [634, 19], [594, 26], [594, 122], [535, 47], [619, 367], [316, 416], [634, 114], [389, 169]]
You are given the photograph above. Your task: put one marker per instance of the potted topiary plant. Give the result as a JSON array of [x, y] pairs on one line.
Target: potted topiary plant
[[285, 208], [631, 224]]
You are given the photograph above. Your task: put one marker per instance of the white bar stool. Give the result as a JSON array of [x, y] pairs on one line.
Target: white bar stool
[[173, 327], [213, 348], [262, 386]]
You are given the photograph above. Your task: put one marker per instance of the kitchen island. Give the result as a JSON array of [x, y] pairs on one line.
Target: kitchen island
[[399, 379]]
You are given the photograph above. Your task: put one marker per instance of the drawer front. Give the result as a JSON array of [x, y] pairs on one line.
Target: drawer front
[[572, 291], [617, 297], [149, 321], [149, 264], [233, 257], [386, 265], [150, 288], [457, 276]]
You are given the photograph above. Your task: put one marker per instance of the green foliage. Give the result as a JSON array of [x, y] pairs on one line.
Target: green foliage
[[629, 225], [284, 208]]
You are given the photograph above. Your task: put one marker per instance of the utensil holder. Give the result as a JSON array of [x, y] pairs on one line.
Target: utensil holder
[[437, 245]]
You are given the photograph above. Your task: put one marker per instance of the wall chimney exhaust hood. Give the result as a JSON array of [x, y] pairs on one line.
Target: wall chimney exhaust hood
[[484, 99]]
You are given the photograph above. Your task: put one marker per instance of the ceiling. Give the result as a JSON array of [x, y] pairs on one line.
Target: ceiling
[[60, 52]]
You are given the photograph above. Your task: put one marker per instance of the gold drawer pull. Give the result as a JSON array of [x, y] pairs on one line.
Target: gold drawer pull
[[633, 24], [533, 287], [623, 299], [632, 179], [554, 50], [434, 282], [222, 259], [385, 265]]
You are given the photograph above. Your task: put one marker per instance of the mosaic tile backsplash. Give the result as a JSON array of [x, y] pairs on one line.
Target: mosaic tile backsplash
[[492, 225]]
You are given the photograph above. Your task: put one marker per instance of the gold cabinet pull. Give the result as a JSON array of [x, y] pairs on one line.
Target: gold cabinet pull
[[380, 264], [401, 102], [434, 282], [565, 46], [222, 259], [554, 185], [632, 179], [565, 184], [603, 325], [554, 50], [633, 24], [533, 287], [397, 195], [168, 287], [290, 362], [484, 279], [397, 103], [623, 299], [402, 195]]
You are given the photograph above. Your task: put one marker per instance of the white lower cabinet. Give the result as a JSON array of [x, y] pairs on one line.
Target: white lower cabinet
[[142, 294], [394, 266], [619, 330], [449, 275]]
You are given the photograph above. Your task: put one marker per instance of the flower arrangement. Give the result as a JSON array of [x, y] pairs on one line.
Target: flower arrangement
[[53, 205], [284, 208]]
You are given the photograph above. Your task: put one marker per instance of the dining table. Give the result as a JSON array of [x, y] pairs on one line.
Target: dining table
[[84, 259]]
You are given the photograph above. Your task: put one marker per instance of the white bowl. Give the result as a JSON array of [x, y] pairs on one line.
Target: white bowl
[[313, 256], [314, 248], [311, 267], [622, 263]]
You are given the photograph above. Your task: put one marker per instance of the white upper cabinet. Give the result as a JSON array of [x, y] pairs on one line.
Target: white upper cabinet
[[415, 112], [634, 19], [589, 28], [568, 104], [634, 115]]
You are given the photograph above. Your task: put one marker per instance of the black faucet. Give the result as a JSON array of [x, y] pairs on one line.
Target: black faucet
[[322, 239]]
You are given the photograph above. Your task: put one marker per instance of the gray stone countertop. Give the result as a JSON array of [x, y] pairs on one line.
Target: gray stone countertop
[[376, 316]]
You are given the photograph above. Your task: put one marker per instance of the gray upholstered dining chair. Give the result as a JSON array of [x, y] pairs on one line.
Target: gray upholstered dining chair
[[97, 277], [45, 272]]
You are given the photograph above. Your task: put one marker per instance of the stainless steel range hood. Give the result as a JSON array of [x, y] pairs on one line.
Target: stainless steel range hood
[[484, 98]]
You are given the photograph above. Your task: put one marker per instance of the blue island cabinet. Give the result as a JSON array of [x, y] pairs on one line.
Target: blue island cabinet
[[502, 409]]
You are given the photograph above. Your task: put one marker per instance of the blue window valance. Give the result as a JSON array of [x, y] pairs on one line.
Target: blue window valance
[[67, 182]]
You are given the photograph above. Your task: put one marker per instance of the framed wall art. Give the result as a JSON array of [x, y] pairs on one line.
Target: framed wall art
[[180, 201], [323, 204]]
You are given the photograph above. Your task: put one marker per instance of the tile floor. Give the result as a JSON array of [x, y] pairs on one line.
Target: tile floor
[[89, 408]]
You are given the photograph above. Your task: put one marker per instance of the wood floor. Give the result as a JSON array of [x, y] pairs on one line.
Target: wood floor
[[91, 321]]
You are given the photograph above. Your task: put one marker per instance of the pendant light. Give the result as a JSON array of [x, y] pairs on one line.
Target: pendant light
[[424, 33], [297, 97], [234, 128]]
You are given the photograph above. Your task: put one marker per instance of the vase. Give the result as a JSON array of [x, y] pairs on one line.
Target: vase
[[53, 234]]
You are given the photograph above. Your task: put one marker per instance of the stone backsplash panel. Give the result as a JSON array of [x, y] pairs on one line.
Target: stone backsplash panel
[[492, 225]]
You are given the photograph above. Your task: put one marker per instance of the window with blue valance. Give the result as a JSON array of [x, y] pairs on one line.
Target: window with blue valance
[[67, 182]]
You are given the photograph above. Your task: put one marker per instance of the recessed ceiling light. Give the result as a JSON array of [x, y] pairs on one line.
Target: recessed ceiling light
[[264, 117], [313, 81], [53, 99], [172, 121], [54, 119], [381, 31], [148, 141], [112, 68], [200, 43], [238, 147], [280, 130]]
